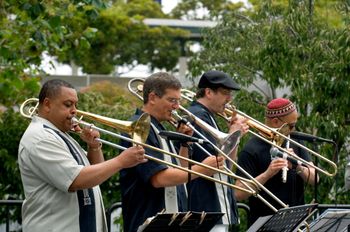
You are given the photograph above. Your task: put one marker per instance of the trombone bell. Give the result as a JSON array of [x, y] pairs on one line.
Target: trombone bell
[[231, 142]]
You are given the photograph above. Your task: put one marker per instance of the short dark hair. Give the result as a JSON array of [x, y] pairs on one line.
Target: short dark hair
[[201, 92], [52, 88], [158, 83]]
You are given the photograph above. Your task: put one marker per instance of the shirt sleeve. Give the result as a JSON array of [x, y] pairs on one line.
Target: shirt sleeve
[[53, 163]]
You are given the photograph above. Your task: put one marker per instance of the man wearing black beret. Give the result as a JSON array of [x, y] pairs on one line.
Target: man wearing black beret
[[214, 92]]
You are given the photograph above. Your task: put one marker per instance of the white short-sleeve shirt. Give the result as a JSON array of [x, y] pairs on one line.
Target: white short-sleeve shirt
[[47, 170]]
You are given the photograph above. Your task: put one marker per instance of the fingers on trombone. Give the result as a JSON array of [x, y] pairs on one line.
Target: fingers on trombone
[[216, 162], [221, 162], [140, 154], [76, 128]]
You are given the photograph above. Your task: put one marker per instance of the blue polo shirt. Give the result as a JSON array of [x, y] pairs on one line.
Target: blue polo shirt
[[140, 200], [202, 192]]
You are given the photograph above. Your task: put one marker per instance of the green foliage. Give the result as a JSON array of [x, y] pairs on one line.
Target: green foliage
[[284, 45], [123, 39], [30, 28], [12, 126], [192, 9], [85, 32]]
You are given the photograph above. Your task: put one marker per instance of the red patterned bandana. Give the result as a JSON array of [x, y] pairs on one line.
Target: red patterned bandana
[[279, 107]]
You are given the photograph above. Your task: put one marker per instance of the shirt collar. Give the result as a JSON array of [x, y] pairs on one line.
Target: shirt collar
[[154, 121], [38, 119], [198, 104]]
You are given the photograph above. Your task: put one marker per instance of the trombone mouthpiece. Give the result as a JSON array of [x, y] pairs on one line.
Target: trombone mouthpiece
[[74, 121], [176, 115]]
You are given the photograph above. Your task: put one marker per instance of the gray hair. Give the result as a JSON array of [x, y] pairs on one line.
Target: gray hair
[[158, 83]]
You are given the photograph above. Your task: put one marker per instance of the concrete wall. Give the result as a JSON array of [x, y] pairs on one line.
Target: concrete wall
[[82, 81]]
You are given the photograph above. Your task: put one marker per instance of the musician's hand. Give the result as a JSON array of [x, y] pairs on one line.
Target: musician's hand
[[184, 129], [290, 165], [275, 166], [238, 123], [131, 157], [89, 136], [215, 162]]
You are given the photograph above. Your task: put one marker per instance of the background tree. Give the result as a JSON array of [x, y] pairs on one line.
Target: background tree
[[288, 46], [91, 33], [203, 9], [123, 39], [30, 28]]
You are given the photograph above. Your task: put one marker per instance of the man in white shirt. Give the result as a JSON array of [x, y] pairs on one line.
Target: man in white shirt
[[60, 179]]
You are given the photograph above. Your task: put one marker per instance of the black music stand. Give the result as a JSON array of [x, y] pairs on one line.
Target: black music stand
[[284, 220], [182, 221], [332, 220]]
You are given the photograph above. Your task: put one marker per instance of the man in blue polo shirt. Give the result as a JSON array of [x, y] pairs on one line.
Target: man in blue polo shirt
[[214, 92], [152, 187]]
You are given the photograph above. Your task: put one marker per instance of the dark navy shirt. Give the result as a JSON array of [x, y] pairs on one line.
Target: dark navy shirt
[[202, 192], [140, 199], [255, 158]]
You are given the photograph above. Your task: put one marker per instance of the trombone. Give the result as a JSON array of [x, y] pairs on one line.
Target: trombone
[[139, 130], [135, 86], [270, 134]]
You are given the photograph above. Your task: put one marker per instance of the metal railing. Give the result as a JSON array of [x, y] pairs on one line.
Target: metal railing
[[11, 204], [8, 205]]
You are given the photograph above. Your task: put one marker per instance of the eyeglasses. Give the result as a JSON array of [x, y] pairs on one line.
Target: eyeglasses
[[173, 100], [290, 125]]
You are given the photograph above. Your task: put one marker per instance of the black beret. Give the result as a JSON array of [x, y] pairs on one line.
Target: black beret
[[215, 79]]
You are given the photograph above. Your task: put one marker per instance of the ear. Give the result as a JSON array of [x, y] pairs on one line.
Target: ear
[[152, 97], [46, 105], [208, 92]]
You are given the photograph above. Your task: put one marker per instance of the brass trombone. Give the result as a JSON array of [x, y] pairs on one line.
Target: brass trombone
[[139, 129], [135, 86], [278, 135]]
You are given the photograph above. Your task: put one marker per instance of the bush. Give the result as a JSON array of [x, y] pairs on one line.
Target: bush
[[12, 126]]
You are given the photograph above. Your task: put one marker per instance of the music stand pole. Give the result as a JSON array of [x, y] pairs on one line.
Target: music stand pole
[[190, 154], [316, 164]]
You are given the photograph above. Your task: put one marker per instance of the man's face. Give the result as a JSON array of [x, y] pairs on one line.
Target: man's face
[[59, 110], [290, 119], [163, 106], [219, 99]]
